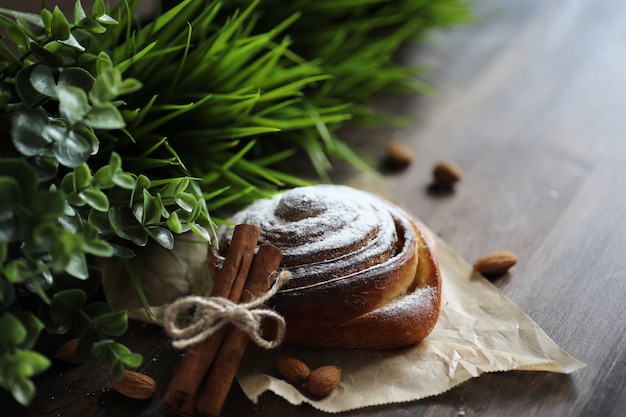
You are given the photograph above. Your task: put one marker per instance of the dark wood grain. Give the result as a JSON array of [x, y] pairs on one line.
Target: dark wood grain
[[532, 107]]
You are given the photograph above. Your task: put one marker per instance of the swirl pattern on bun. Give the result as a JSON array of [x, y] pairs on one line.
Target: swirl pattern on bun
[[365, 274]]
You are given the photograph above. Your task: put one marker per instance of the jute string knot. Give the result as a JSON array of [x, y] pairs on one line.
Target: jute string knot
[[213, 313]]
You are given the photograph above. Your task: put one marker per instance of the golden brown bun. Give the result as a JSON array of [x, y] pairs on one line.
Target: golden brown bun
[[364, 273]]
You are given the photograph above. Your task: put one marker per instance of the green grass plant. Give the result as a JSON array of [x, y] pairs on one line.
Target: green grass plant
[[117, 132]]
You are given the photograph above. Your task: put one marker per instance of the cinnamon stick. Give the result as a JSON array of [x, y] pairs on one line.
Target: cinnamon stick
[[222, 372], [228, 283]]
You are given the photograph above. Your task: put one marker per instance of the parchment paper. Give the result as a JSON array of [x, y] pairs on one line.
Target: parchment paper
[[479, 330]]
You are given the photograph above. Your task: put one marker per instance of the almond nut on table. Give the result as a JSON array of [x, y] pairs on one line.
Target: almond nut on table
[[399, 154], [447, 173], [323, 381], [293, 370], [67, 351], [135, 385], [495, 263]]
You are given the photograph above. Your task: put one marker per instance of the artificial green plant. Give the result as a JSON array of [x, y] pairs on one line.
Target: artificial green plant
[[117, 132]]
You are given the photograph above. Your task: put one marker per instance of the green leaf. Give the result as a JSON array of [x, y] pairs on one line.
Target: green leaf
[[82, 177], [73, 43], [174, 223], [103, 63], [9, 228], [113, 324], [17, 271], [126, 226], [73, 103], [65, 304], [56, 133], [124, 180], [7, 292], [9, 63], [95, 199], [76, 77], [33, 327], [141, 184], [97, 309], [186, 201], [42, 80], [45, 235], [12, 332], [129, 85], [22, 172], [115, 163], [107, 83], [46, 57], [116, 370], [90, 232], [98, 8], [200, 231], [122, 252], [163, 236], [91, 25], [105, 19], [79, 12], [70, 147], [6, 94], [162, 206], [46, 19], [17, 35], [23, 390], [35, 362], [47, 205], [100, 347], [151, 212], [4, 250], [132, 360], [87, 135], [98, 247], [84, 349], [100, 221], [68, 156], [10, 194], [25, 89], [59, 26], [46, 167], [104, 116], [102, 178], [77, 266], [176, 186], [50, 325], [31, 363], [72, 224], [137, 57]]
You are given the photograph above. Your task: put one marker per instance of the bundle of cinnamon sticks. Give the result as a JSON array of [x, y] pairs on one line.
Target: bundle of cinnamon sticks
[[204, 377]]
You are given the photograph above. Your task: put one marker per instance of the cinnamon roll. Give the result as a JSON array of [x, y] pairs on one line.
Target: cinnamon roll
[[365, 274]]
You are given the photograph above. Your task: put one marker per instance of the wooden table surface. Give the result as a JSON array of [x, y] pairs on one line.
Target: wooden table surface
[[532, 107]]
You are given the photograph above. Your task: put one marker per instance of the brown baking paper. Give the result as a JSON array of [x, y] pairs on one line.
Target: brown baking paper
[[479, 330]]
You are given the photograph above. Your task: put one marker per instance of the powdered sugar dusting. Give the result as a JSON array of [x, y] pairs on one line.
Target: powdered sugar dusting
[[421, 299], [325, 230]]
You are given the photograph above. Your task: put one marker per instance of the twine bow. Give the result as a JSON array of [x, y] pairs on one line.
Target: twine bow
[[213, 313]]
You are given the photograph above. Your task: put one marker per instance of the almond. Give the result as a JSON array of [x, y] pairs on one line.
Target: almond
[[495, 263], [447, 173], [399, 154], [293, 370], [67, 351], [135, 385], [323, 381]]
